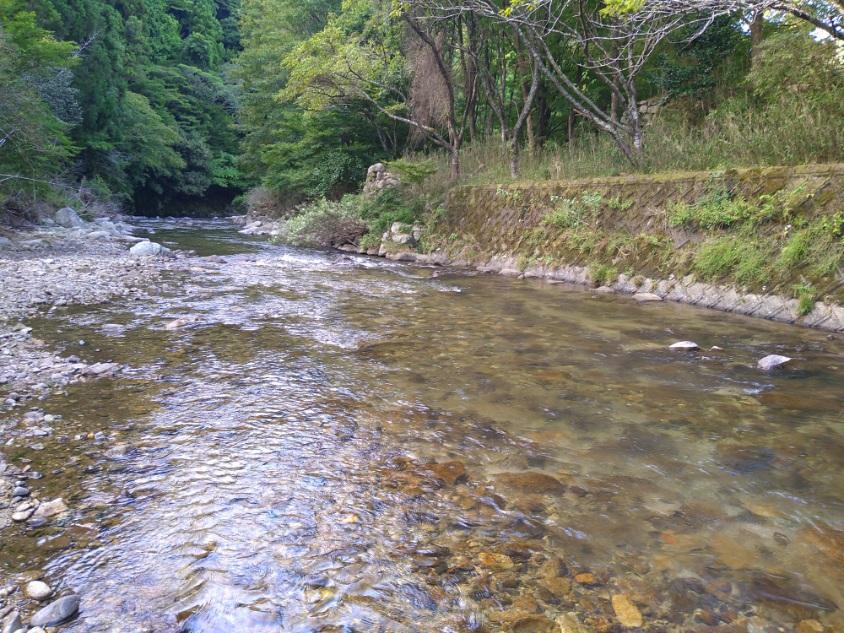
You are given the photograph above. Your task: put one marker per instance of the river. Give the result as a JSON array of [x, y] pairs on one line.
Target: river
[[334, 443]]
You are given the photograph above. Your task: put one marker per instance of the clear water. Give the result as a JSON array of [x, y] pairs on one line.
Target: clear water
[[267, 467]]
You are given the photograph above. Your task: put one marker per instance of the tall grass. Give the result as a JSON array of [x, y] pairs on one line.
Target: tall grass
[[790, 132]]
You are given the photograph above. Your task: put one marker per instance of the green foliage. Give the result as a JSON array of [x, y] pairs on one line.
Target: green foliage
[[805, 294], [722, 209], [603, 275], [619, 204], [413, 172], [324, 223], [146, 103], [795, 250], [573, 212], [34, 141], [389, 206], [718, 257], [309, 131]]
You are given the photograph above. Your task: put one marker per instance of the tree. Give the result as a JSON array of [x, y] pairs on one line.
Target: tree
[[34, 145], [826, 15]]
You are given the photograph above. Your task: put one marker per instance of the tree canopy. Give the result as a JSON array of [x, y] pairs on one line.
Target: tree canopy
[[162, 103]]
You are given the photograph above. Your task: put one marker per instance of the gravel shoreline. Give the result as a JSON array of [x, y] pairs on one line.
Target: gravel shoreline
[[48, 268], [42, 269]]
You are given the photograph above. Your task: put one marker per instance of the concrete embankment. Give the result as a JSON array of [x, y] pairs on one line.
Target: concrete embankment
[[765, 242]]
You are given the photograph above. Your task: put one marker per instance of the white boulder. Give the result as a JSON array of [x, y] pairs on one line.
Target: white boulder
[[68, 218], [148, 249], [772, 362]]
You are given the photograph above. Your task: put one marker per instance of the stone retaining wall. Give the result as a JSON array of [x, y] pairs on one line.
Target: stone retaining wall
[[488, 228]]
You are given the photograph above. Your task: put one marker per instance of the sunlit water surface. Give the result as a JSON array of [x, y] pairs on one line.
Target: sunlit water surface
[[267, 467]]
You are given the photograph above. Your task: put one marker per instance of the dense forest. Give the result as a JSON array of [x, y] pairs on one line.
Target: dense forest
[[163, 106]]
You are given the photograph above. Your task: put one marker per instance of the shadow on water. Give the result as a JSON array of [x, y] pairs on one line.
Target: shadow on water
[[342, 444]]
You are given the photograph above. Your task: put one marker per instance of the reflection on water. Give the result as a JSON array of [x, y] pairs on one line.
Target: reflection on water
[[351, 445]]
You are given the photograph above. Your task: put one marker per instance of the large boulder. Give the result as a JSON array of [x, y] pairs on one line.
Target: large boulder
[[69, 219], [149, 249], [378, 178]]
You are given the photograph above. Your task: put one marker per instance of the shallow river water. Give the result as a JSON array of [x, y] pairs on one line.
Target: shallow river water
[[347, 444]]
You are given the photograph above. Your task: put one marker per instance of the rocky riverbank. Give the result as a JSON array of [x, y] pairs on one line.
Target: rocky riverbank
[[49, 267], [66, 262]]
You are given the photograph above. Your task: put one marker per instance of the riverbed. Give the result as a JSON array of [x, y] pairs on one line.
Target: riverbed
[[314, 441]]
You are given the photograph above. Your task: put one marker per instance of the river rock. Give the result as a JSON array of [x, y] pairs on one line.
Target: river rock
[[12, 623], [101, 369], [68, 218], [450, 472], [773, 361], [51, 508], [38, 590], [647, 297], [626, 612], [149, 249], [378, 178], [180, 323], [685, 346], [569, 623], [57, 612], [533, 624], [495, 561], [5, 242], [531, 482], [22, 515]]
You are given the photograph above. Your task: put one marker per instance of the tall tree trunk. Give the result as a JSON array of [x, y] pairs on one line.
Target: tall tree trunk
[[514, 157], [454, 164], [756, 38]]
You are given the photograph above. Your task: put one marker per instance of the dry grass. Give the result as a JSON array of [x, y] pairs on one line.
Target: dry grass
[[791, 133]]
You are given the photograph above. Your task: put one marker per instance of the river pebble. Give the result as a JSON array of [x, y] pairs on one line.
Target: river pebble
[[11, 623], [57, 612], [38, 590]]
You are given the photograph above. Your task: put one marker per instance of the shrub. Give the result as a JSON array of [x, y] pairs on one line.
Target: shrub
[[389, 206], [413, 172], [323, 224]]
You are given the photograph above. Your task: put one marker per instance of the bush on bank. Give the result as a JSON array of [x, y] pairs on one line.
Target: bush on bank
[[354, 219]]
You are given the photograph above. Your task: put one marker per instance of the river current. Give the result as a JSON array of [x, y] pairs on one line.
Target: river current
[[334, 443]]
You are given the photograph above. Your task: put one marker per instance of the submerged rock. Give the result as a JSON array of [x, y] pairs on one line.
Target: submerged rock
[[531, 482], [628, 615], [569, 623], [181, 322], [492, 560], [772, 362], [450, 472], [101, 369], [57, 612], [533, 624]]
